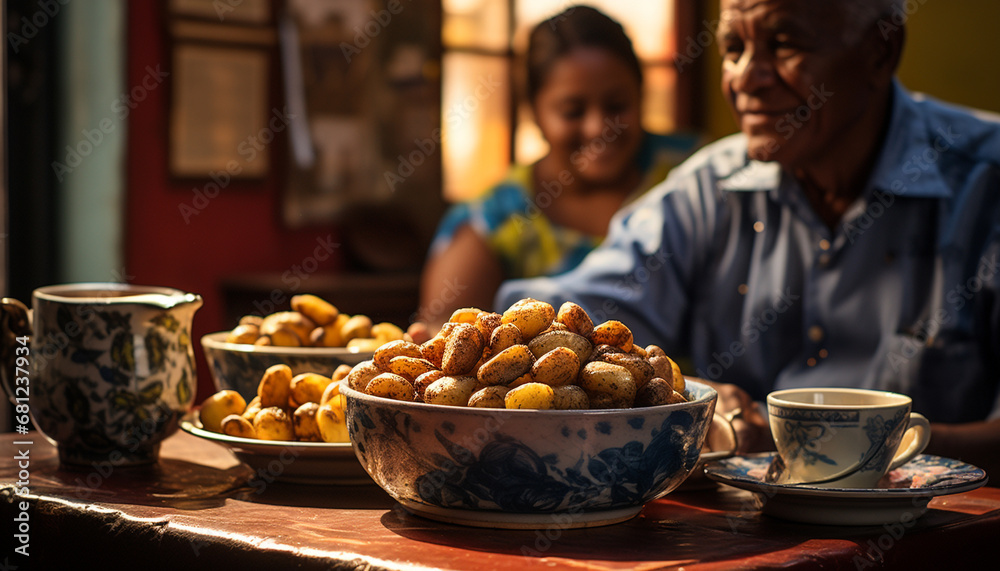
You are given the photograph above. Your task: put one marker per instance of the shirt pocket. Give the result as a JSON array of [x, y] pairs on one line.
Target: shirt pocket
[[945, 378]]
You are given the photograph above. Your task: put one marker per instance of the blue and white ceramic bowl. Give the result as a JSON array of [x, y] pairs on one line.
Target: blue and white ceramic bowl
[[239, 366], [527, 468]]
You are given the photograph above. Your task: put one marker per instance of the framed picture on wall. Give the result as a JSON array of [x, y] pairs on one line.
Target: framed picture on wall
[[218, 111], [223, 11]]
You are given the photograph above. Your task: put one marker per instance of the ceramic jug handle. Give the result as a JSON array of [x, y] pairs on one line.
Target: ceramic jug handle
[[920, 429], [15, 322]]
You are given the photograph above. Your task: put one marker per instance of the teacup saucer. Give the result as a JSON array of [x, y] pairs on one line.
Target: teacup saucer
[[901, 496]]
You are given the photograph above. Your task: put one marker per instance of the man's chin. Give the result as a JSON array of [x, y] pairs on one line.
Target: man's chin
[[762, 148]]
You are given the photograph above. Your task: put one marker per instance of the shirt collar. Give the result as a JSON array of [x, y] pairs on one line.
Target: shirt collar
[[897, 171], [907, 164]]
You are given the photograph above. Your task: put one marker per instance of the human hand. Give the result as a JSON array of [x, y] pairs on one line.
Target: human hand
[[753, 433]]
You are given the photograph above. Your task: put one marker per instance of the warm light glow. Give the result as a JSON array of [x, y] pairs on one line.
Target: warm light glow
[[647, 23], [475, 126]]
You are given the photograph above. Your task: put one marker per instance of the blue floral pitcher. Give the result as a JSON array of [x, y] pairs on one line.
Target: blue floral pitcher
[[108, 372]]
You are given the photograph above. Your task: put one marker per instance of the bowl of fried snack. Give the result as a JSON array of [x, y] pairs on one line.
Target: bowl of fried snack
[[526, 419], [293, 430], [313, 336]]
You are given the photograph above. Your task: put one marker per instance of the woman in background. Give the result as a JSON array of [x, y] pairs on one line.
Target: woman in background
[[584, 85]]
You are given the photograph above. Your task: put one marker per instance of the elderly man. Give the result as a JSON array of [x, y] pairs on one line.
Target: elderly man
[[848, 236]]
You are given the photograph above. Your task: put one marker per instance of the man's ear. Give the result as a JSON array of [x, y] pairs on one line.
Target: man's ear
[[886, 40]]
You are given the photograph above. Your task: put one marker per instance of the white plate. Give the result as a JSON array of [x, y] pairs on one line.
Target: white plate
[[325, 463], [902, 495]]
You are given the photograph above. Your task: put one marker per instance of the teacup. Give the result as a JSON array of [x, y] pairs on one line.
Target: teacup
[[109, 370], [842, 438]]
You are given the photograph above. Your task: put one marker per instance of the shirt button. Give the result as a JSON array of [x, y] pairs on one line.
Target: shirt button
[[816, 333], [758, 226], [824, 244], [824, 260], [811, 361]]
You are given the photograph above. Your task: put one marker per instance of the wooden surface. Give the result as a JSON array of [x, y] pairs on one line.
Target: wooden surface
[[199, 508]]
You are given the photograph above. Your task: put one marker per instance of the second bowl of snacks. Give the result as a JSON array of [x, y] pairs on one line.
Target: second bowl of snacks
[[293, 430], [526, 419], [313, 336]]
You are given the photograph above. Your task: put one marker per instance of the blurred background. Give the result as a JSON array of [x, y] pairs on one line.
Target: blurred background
[[248, 150]]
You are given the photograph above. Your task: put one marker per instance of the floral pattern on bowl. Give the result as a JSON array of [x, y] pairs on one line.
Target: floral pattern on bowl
[[468, 460]]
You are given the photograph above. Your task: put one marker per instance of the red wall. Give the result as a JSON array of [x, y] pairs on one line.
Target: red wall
[[238, 231]]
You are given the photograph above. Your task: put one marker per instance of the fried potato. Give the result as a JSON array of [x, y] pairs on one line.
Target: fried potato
[[489, 397], [286, 337], [388, 351], [362, 374], [421, 383], [613, 333], [332, 422], [530, 395], [320, 311], [308, 387], [331, 390], [292, 321], [656, 392], [364, 344], [219, 406], [252, 409], [505, 335], [575, 319], [392, 386], [271, 423], [570, 397], [531, 316], [275, 386], [410, 367], [505, 366], [600, 378], [487, 322], [341, 372], [245, 333], [557, 367], [452, 391], [465, 315], [356, 327], [236, 425], [642, 371], [304, 423], [548, 341], [462, 350], [385, 332]]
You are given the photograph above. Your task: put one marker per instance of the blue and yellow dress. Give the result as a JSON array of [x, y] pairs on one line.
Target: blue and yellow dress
[[525, 241]]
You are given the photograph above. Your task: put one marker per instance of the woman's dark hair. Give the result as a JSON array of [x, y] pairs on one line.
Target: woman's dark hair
[[575, 27]]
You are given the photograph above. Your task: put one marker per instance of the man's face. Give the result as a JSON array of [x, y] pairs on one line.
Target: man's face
[[793, 83]]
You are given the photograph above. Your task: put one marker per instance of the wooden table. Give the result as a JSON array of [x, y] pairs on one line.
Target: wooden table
[[194, 510]]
